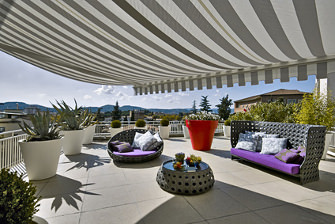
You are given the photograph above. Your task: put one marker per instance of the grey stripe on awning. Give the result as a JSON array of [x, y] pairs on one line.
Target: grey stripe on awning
[[172, 45]]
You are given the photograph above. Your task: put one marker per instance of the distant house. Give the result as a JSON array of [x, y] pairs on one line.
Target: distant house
[[10, 120], [287, 95]]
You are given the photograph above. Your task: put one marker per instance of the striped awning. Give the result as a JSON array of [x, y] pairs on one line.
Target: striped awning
[[172, 45]]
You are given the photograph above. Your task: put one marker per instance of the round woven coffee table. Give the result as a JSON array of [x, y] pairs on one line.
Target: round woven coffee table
[[185, 181]]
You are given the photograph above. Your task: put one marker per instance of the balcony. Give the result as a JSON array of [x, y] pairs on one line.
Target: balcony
[[91, 188]]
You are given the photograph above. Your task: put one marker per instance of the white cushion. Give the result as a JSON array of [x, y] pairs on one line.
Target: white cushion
[[136, 138], [245, 145], [146, 140], [273, 145], [158, 137]]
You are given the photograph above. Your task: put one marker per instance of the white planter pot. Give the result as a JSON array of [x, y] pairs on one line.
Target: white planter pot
[[41, 158], [145, 127], [164, 131], [114, 131], [185, 132], [226, 131], [72, 142], [89, 134], [327, 142]]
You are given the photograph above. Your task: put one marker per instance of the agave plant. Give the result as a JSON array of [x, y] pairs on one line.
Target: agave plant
[[43, 128], [70, 118], [89, 119]]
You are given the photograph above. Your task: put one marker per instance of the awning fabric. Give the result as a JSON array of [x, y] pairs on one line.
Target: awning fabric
[[173, 45]]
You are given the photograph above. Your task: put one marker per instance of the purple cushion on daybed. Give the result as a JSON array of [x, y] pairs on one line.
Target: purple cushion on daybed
[[136, 152], [267, 160]]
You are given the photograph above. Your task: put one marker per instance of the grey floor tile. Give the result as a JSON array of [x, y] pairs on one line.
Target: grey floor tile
[[243, 218], [125, 214], [290, 214], [168, 210], [215, 203]]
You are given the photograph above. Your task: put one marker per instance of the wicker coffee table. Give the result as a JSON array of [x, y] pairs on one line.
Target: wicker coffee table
[[184, 181]]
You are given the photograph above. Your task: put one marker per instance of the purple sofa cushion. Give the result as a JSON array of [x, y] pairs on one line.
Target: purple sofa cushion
[[136, 152], [267, 160], [124, 147], [287, 156], [114, 144]]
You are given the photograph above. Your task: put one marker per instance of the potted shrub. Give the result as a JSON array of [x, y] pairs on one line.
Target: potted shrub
[[140, 124], [318, 109], [88, 124], [164, 128], [70, 123], [202, 126], [41, 149], [18, 202], [226, 128], [115, 127]]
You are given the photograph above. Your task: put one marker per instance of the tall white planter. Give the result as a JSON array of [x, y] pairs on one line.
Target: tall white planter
[[327, 142], [72, 142], [89, 134], [41, 158], [185, 132], [114, 131], [226, 131], [164, 131]]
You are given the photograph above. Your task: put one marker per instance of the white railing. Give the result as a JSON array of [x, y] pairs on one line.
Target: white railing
[[10, 154], [102, 130]]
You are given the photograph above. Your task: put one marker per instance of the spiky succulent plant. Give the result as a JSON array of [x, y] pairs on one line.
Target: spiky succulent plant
[[89, 119], [43, 127], [70, 118]]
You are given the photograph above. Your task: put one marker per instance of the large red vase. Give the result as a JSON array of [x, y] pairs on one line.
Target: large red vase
[[201, 133]]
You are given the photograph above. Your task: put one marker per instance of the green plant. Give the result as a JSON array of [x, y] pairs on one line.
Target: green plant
[[204, 104], [164, 122], [18, 202], [274, 112], [227, 122], [140, 123], [224, 107], [89, 119], [317, 109], [70, 118], [43, 128], [116, 124]]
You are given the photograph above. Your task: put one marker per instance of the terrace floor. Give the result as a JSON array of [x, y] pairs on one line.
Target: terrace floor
[[90, 188]]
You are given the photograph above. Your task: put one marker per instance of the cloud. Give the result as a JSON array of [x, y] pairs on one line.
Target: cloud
[[42, 95], [157, 98], [87, 97], [183, 94], [109, 90]]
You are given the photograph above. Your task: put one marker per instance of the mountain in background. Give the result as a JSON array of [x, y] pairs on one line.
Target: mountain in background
[[105, 108]]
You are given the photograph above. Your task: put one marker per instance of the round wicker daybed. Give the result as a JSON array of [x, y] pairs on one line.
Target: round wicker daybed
[[128, 136]]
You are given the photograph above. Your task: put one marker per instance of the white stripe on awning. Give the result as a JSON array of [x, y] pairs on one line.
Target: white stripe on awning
[[172, 45]]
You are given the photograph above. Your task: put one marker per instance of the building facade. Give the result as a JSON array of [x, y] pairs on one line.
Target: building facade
[[288, 96]]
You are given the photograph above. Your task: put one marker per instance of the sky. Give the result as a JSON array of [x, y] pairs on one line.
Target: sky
[[23, 82]]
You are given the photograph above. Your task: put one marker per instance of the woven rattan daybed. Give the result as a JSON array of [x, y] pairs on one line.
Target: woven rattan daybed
[[128, 136], [312, 137]]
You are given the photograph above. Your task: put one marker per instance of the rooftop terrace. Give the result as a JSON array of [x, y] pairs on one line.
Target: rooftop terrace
[[90, 188]]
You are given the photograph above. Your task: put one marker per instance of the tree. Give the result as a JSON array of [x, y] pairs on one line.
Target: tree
[[116, 113], [204, 104], [100, 116], [194, 108], [224, 107]]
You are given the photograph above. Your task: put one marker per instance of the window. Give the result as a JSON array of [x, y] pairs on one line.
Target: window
[[2, 129], [291, 101]]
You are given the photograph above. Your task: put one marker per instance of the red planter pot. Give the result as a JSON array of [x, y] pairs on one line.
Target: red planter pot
[[201, 133]]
